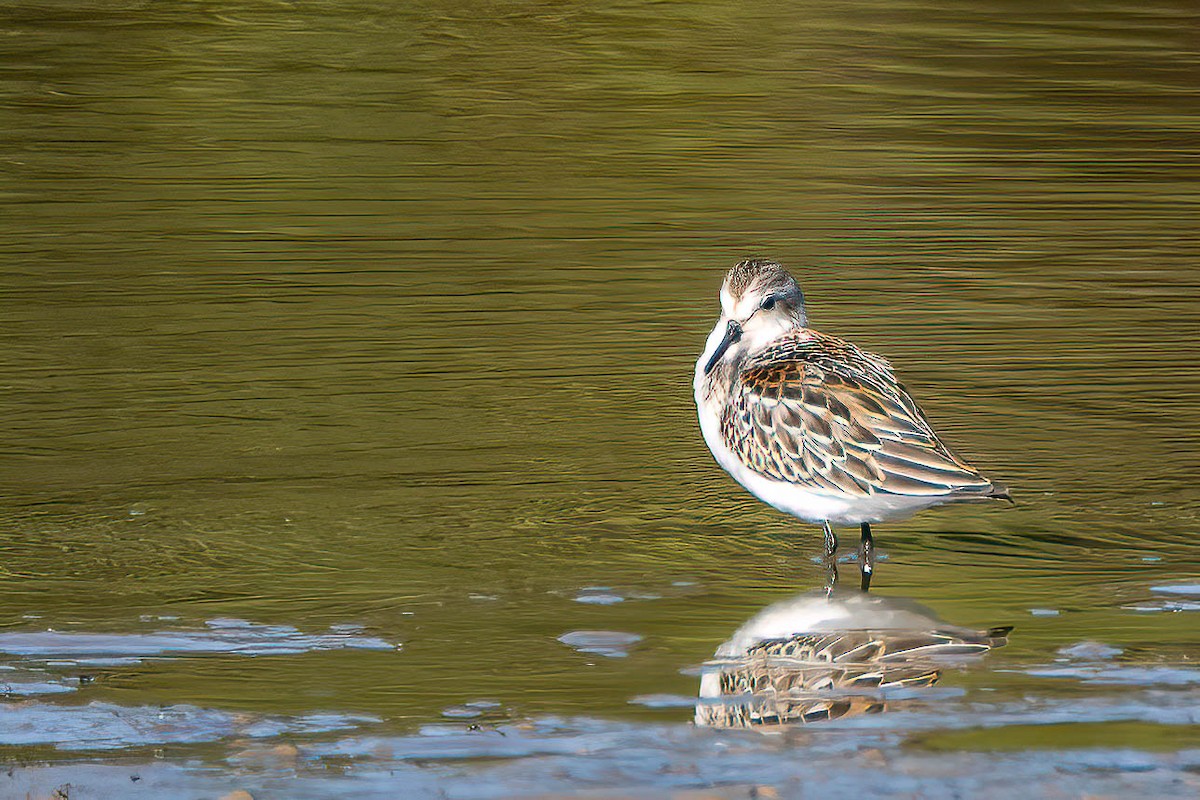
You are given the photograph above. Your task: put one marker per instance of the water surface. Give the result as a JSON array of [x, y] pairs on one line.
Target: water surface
[[376, 324]]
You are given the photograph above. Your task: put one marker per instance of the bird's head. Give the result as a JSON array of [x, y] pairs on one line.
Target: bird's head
[[759, 301]]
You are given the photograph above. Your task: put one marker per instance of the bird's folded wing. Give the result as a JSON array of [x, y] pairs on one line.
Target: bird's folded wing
[[841, 428]]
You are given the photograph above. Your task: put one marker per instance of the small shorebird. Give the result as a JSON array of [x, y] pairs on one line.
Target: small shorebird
[[814, 426]]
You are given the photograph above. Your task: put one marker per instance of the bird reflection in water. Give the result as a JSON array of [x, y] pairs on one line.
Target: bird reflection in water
[[827, 655]]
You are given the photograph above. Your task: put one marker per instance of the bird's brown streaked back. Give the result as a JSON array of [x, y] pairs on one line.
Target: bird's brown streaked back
[[816, 411]]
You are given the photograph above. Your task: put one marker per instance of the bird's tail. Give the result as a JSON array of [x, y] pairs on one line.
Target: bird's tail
[[1000, 492]]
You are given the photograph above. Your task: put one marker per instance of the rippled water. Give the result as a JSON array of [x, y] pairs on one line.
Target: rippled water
[[374, 323]]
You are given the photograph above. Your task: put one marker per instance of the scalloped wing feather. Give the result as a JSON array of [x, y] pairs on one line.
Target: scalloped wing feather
[[817, 411]]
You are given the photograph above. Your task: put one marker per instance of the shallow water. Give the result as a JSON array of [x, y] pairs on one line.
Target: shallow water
[[372, 329]]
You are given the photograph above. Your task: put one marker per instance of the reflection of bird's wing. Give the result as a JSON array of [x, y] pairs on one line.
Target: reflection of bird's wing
[[817, 411], [880, 647]]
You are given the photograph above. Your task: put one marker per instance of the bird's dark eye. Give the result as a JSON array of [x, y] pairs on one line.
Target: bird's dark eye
[[768, 302]]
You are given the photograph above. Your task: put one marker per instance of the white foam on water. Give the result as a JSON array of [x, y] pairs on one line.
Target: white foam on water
[[223, 636]]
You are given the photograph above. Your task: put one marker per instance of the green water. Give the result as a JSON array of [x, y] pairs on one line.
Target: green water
[[385, 314]]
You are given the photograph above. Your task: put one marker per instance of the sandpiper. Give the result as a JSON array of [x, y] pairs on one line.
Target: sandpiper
[[814, 426]]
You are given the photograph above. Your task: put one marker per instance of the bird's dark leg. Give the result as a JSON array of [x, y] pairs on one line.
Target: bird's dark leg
[[866, 557], [831, 545]]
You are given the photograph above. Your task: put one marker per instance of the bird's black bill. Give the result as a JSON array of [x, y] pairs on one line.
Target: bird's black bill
[[732, 334]]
